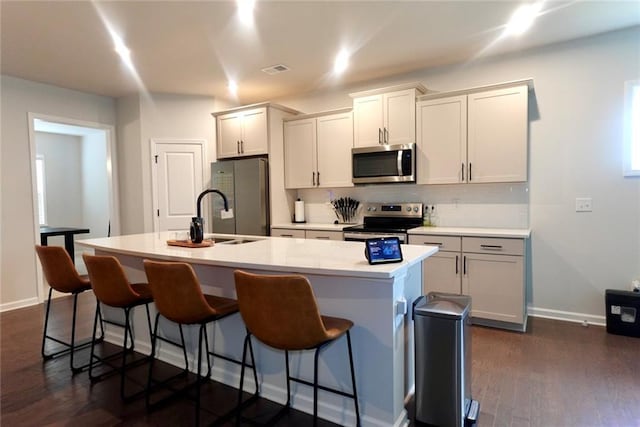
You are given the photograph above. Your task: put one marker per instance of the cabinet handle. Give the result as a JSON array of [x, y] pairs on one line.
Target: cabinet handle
[[469, 172], [238, 147], [462, 176], [492, 247], [457, 269], [433, 243], [318, 180], [386, 136], [286, 235], [241, 146], [313, 178], [379, 136], [464, 265]]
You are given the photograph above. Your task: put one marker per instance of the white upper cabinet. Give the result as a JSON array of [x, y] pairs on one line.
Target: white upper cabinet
[[243, 133], [442, 140], [300, 153], [473, 138], [385, 116], [317, 151], [497, 135]]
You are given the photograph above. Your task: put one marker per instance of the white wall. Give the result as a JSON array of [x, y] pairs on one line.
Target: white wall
[[63, 178], [18, 280], [158, 116], [575, 150], [95, 185]]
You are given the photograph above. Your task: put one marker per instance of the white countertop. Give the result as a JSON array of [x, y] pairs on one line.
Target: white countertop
[[305, 256], [313, 226], [519, 233]]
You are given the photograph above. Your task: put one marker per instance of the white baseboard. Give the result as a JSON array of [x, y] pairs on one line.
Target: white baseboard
[[567, 316], [18, 304]]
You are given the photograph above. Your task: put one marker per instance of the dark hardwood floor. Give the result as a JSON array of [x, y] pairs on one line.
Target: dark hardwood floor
[[556, 374]]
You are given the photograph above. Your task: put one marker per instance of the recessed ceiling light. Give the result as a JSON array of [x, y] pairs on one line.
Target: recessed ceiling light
[[522, 19], [245, 11], [233, 87], [341, 62], [121, 49]]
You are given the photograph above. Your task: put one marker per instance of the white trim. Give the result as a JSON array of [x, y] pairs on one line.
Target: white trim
[[630, 86], [566, 316], [153, 143], [14, 305], [112, 179]]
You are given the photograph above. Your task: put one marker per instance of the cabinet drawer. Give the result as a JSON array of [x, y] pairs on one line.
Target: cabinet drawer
[[490, 245], [444, 243], [287, 232], [324, 235]]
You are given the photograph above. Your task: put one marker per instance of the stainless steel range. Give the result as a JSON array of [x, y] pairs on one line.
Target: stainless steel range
[[384, 220]]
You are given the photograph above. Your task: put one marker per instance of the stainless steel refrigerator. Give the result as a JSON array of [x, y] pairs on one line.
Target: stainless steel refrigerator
[[245, 182]]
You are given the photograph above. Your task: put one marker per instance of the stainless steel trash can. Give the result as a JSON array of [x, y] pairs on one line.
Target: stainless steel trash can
[[443, 360]]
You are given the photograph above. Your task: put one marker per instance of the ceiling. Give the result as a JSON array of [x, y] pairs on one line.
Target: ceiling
[[195, 47]]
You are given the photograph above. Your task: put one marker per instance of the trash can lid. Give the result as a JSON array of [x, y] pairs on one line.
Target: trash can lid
[[443, 305]]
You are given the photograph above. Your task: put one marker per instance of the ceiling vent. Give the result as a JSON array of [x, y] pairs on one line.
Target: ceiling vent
[[275, 69]]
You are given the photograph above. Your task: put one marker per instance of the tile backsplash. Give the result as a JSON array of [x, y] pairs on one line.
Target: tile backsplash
[[464, 205]]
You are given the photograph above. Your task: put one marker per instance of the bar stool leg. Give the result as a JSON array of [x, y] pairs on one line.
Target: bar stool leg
[[147, 399], [46, 324], [286, 359], [75, 369], [353, 379], [315, 386]]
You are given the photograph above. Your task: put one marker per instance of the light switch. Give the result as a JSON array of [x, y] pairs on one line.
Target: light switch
[[583, 204]]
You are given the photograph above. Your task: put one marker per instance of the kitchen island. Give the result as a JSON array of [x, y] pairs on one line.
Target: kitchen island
[[376, 298]]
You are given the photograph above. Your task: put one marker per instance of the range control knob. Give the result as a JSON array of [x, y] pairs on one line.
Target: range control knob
[[415, 209], [408, 208]]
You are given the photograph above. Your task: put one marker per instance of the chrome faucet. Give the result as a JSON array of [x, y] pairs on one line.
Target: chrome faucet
[[196, 229]]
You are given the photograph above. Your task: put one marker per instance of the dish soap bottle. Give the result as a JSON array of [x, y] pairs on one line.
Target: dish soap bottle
[[426, 217]]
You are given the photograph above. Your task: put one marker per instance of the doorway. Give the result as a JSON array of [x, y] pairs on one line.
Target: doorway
[[73, 176]]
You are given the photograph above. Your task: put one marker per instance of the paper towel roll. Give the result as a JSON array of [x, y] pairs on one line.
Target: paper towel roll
[[299, 211]]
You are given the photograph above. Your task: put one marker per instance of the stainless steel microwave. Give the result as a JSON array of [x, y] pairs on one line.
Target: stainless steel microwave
[[384, 164]]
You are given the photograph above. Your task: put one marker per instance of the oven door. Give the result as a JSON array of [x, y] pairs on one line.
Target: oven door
[[361, 236]]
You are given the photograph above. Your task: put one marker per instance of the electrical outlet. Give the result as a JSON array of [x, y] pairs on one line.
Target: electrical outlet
[[583, 204]]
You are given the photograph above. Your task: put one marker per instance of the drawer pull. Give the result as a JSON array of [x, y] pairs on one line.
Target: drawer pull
[[286, 235], [457, 270], [492, 247], [434, 243], [323, 237]]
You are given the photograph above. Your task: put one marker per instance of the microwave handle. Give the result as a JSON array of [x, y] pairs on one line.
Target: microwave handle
[[399, 162]]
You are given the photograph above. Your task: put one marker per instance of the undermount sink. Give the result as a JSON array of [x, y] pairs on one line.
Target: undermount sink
[[231, 241]]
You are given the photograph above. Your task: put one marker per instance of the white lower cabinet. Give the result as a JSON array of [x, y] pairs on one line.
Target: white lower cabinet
[[288, 232], [298, 233], [490, 270]]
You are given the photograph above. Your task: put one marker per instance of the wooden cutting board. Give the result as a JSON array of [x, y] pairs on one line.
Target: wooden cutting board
[[190, 244]]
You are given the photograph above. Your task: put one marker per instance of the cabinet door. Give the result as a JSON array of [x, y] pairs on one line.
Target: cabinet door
[[441, 273], [255, 138], [496, 286], [399, 117], [368, 121], [323, 235], [299, 153], [497, 135], [334, 144], [442, 140], [229, 135]]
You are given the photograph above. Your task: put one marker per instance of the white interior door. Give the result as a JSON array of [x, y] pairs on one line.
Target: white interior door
[[178, 179]]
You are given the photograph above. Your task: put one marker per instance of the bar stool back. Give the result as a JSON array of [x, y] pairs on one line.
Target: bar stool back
[[62, 276], [281, 311], [178, 297], [112, 288]]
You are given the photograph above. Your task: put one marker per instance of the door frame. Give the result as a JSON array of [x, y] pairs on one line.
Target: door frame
[[153, 143], [112, 178]]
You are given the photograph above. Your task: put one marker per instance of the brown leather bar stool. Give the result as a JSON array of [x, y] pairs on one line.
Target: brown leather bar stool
[[62, 276], [112, 288], [281, 311], [178, 297]]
